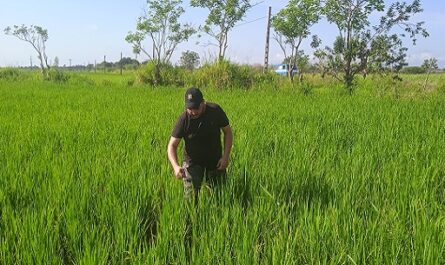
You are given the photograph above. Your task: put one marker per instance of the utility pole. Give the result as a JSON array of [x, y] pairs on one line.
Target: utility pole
[[121, 63], [266, 53], [30, 60], [70, 62], [105, 59], [95, 65]]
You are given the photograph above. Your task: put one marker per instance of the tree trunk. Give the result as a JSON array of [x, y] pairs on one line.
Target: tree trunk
[[349, 78], [42, 66]]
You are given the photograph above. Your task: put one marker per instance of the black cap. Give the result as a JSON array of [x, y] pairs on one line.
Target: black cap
[[193, 98]]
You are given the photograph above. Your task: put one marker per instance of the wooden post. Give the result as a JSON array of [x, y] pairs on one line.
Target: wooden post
[[266, 53], [121, 63]]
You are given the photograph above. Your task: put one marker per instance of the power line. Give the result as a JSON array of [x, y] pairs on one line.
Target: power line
[[248, 22]]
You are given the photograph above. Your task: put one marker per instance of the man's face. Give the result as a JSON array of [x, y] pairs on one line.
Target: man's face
[[197, 112]]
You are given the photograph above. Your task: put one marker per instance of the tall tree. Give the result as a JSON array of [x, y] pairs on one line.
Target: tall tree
[[428, 66], [161, 25], [361, 45], [189, 60], [292, 25], [56, 62], [37, 37], [222, 18]]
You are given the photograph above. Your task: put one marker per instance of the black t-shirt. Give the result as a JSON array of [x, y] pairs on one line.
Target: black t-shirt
[[202, 135]]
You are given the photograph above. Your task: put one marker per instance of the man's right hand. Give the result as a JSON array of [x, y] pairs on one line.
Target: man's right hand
[[179, 172]]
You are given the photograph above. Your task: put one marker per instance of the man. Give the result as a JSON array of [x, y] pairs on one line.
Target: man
[[200, 126]]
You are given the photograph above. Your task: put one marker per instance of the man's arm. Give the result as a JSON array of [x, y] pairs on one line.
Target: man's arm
[[173, 157], [228, 140]]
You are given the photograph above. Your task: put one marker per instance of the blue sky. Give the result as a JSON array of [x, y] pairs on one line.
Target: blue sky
[[85, 31]]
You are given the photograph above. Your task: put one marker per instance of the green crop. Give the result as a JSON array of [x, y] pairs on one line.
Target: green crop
[[323, 178]]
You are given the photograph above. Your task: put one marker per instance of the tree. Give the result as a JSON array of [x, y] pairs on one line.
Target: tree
[[37, 37], [361, 46], [322, 62], [56, 62], [222, 18], [429, 65], [189, 60], [161, 25], [292, 25], [413, 70], [128, 61], [301, 60]]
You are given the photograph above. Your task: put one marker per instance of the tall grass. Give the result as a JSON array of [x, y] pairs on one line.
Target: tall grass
[[322, 178]]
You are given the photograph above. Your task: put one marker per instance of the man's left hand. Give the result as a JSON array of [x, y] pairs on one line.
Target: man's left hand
[[222, 164]]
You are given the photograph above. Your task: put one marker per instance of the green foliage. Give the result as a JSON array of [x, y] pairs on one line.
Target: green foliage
[[127, 63], [37, 37], [430, 65], [56, 62], [413, 70], [324, 179], [363, 47], [146, 74], [223, 75], [294, 21], [11, 74], [222, 18], [160, 24], [292, 25], [57, 76], [158, 75], [189, 60]]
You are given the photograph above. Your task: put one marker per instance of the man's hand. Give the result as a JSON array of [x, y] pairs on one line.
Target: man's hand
[[179, 172], [222, 164], [173, 157]]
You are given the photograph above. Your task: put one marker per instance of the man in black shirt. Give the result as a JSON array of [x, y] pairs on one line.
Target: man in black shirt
[[200, 126]]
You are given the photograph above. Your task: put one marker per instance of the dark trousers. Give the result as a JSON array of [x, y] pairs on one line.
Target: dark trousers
[[195, 175]]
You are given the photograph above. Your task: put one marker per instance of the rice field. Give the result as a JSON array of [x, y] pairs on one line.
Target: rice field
[[320, 179]]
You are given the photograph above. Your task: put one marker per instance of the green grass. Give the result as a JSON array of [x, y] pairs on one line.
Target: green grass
[[325, 178]]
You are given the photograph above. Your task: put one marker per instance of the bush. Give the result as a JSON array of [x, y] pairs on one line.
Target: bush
[[11, 74], [218, 75], [163, 74], [223, 75], [57, 76], [268, 79], [413, 70]]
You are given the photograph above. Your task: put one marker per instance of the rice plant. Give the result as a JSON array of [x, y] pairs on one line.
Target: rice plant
[[322, 178]]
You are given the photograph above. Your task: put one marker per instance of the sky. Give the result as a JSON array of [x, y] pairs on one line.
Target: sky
[[83, 31]]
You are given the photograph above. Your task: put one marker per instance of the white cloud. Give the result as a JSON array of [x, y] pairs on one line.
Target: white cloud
[[418, 58]]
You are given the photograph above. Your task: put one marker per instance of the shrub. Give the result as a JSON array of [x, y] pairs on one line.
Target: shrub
[[57, 76], [11, 74], [223, 75], [163, 74], [268, 79], [413, 70]]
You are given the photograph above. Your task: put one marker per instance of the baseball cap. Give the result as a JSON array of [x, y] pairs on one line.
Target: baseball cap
[[193, 97]]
